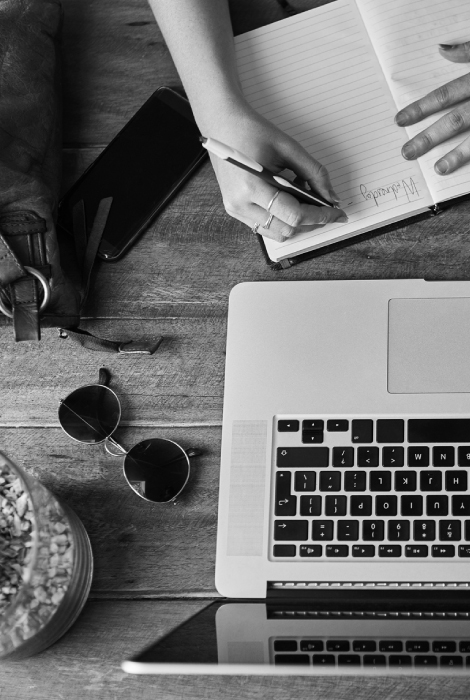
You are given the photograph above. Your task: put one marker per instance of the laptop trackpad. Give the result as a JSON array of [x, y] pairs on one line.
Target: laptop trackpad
[[429, 346]]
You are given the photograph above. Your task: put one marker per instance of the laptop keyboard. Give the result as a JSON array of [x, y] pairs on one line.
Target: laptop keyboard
[[371, 488], [405, 653]]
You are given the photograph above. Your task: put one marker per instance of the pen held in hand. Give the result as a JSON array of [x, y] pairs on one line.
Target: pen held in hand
[[281, 183]]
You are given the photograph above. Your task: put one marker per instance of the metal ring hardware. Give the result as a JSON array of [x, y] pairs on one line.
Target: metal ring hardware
[[45, 286]]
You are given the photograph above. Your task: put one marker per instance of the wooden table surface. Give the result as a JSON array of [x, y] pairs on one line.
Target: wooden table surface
[[155, 564]]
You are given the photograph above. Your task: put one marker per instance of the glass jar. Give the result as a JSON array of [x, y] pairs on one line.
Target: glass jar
[[44, 543]]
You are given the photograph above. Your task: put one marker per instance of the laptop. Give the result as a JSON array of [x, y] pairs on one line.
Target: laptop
[[344, 506]]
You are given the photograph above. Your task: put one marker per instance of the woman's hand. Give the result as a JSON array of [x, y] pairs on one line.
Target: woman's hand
[[457, 121], [246, 197]]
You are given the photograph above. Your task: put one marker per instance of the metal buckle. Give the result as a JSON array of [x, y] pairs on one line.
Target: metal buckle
[[45, 286]]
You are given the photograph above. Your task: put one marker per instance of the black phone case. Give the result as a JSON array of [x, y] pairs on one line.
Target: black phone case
[[64, 211]]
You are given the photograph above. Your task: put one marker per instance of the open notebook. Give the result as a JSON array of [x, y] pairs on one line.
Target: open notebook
[[333, 78]]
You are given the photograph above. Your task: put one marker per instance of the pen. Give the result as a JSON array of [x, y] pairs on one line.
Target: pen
[[241, 161]]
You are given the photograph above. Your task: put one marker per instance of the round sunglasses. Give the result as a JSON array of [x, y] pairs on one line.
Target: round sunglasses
[[157, 469]]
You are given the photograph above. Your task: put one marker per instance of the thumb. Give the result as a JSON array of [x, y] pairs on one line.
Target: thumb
[[457, 53], [310, 170]]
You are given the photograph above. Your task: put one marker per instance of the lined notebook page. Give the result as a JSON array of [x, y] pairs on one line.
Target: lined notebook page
[[315, 76], [405, 35]]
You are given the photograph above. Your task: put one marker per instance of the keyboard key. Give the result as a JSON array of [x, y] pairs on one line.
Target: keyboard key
[[312, 437], [372, 530], [349, 660], [411, 505], [310, 550], [311, 645], [464, 647], [355, 481], [284, 550], [418, 456], [385, 505], [364, 645], [437, 505], [380, 481], [467, 530], [389, 550], [460, 505], [343, 456], [451, 661], [399, 660], [405, 481], [425, 660], [283, 484], [302, 457], [285, 645], [374, 660], [443, 550], [424, 530], [288, 426], [348, 530], [322, 530], [444, 647], [310, 505], [464, 456], [450, 530], [431, 480], [361, 505], [443, 456], [286, 506], [313, 424], [464, 551], [363, 550], [390, 430], [391, 645], [305, 481], [323, 659], [415, 646], [290, 530], [393, 456], [398, 530], [330, 481], [337, 645], [414, 551], [368, 456], [439, 430], [362, 431], [456, 481], [291, 659], [335, 505], [337, 426]]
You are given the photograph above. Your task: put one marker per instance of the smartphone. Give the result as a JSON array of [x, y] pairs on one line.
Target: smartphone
[[142, 168]]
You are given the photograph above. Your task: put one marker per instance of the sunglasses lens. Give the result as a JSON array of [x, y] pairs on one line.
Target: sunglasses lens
[[90, 414], [157, 469]]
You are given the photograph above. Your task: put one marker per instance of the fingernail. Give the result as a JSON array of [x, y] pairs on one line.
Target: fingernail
[[400, 119], [447, 47], [333, 196], [408, 152], [442, 166], [342, 219]]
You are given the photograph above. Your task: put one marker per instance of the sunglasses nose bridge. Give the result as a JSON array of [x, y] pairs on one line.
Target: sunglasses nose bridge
[[111, 441]]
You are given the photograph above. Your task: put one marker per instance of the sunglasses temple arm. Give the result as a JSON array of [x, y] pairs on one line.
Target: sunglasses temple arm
[[192, 452], [104, 376]]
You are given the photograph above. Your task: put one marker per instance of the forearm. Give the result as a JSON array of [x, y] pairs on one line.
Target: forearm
[[199, 36]]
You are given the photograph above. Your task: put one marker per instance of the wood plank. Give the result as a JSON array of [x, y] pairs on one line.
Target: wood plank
[[86, 663], [140, 548], [181, 383]]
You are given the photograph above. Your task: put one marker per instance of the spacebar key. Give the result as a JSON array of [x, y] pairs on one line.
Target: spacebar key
[[289, 530]]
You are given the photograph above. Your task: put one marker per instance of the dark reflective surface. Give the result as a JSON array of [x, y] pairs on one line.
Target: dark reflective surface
[[157, 469], [90, 414]]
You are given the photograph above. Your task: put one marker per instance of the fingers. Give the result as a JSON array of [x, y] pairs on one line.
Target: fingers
[[458, 53], [445, 96], [310, 170], [451, 124], [454, 159]]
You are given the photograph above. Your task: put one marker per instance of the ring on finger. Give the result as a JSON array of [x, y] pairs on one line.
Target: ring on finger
[[255, 227], [268, 221], [271, 202]]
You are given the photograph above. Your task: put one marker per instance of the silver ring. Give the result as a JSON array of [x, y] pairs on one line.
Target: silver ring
[[255, 227], [273, 199], [268, 222], [45, 286]]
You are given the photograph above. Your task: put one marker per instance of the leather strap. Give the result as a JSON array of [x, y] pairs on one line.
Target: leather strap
[[92, 342]]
